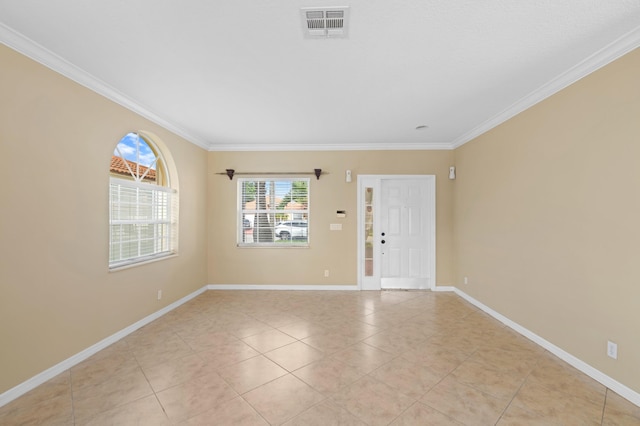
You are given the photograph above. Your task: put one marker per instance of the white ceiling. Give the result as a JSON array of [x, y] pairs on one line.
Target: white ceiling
[[240, 75]]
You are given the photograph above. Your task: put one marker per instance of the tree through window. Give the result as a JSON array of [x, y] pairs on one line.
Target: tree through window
[[273, 212]]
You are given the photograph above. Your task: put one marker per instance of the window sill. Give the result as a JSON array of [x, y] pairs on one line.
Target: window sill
[[272, 246], [143, 261]]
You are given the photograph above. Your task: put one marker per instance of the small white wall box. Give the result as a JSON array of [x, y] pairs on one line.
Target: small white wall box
[[341, 213]]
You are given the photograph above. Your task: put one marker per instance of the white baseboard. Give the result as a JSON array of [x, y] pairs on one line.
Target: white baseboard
[[63, 366], [444, 288], [280, 287], [298, 287], [590, 371]]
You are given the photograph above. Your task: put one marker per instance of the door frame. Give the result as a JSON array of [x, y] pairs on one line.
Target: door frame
[[430, 186]]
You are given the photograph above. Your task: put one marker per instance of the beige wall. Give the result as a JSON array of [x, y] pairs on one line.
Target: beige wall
[[57, 297], [545, 220], [547, 210], [332, 250]]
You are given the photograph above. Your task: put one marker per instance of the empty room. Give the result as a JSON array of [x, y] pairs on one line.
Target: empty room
[[319, 213]]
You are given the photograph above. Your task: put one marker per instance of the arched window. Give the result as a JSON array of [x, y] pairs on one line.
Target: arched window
[[142, 203]]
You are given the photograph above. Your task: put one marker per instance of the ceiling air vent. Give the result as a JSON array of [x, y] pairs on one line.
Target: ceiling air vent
[[328, 22]]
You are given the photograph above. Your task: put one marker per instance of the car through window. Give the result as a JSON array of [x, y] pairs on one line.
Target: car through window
[[275, 210]]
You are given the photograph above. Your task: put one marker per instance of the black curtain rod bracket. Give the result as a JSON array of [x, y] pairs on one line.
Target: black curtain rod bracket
[[230, 173]]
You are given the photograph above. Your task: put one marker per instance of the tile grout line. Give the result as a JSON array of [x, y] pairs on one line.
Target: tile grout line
[[441, 380], [73, 408], [604, 406], [513, 397], [531, 376], [155, 394]]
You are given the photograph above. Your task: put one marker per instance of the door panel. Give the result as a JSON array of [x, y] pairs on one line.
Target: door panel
[[403, 223], [415, 263], [393, 258], [414, 222], [396, 234]]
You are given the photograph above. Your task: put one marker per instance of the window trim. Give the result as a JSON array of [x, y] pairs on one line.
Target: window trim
[[240, 213], [142, 261], [171, 223], [172, 205]]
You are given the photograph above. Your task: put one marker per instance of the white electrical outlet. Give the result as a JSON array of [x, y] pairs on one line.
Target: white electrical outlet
[[612, 350], [466, 280], [326, 273], [159, 294]]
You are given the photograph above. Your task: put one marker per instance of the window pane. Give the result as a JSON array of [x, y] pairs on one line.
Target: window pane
[[368, 232], [133, 158], [143, 211], [273, 212], [140, 224]]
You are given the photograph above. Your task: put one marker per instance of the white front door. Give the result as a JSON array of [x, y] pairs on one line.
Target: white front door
[[397, 232]]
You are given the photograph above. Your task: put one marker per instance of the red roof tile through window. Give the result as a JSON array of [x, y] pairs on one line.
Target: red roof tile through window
[[118, 166]]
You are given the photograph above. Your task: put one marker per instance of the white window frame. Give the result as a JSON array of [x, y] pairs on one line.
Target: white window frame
[[164, 226], [161, 214], [276, 243]]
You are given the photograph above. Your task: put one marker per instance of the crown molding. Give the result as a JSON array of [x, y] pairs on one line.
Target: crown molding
[[40, 54], [608, 54], [385, 146]]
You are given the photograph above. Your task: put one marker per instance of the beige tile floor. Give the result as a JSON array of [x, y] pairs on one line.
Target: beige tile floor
[[322, 358]]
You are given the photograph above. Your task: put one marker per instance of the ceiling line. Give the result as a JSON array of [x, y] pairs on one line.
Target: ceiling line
[[40, 54], [43, 56], [604, 56]]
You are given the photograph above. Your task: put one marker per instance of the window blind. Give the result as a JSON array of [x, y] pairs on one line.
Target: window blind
[[273, 212], [142, 222]]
